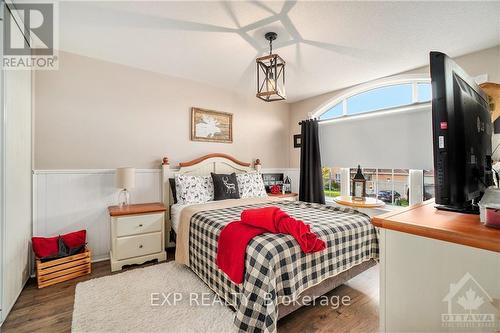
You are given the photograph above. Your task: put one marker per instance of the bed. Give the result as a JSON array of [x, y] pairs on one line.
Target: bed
[[278, 274]]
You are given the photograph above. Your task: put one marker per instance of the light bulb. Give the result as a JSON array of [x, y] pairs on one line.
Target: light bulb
[[271, 84]]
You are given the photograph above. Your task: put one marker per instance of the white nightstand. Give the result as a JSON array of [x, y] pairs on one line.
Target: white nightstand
[[137, 234]]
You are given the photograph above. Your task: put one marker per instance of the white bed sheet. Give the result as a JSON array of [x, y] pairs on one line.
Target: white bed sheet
[[175, 214]]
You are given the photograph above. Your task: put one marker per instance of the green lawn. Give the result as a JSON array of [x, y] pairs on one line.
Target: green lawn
[[332, 193]]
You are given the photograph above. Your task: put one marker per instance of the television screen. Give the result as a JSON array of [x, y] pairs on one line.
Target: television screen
[[462, 132]]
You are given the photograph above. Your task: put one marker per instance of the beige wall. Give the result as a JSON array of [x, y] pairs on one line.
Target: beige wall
[[481, 62], [96, 114]]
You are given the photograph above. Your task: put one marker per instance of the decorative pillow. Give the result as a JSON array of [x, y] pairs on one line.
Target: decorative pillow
[[75, 239], [193, 189], [251, 185], [47, 248], [225, 186]]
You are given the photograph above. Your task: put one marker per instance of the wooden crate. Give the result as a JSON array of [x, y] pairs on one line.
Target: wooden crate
[[59, 270]]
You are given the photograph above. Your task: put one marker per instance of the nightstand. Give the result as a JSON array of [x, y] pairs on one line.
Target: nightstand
[[137, 234], [284, 197]]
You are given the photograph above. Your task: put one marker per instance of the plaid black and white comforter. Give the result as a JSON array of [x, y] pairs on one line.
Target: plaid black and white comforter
[[275, 265]]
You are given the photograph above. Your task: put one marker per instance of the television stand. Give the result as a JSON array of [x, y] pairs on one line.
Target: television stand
[[430, 258]]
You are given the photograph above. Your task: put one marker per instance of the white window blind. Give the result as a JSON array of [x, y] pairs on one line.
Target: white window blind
[[392, 140]]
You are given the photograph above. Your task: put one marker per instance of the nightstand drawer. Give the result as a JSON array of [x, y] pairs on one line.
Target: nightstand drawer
[[135, 246], [138, 224]]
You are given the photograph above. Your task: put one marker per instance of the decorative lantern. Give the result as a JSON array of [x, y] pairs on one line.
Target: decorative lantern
[[287, 185], [271, 74], [359, 186]]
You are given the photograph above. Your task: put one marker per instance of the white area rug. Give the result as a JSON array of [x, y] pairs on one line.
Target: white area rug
[[123, 303]]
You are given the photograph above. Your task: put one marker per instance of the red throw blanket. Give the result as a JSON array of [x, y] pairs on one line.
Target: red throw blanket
[[234, 238]]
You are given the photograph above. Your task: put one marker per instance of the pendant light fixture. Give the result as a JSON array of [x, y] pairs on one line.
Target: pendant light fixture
[[271, 74]]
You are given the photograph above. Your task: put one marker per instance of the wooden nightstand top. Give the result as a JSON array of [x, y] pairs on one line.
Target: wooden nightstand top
[[136, 209], [281, 195]]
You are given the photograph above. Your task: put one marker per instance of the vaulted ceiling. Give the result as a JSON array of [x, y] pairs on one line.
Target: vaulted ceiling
[[327, 45]]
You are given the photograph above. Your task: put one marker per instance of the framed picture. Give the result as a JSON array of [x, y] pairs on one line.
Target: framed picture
[[297, 141], [211, 126]]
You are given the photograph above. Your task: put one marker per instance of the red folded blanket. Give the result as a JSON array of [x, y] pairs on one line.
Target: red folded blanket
[[277, 221], [235, 237]]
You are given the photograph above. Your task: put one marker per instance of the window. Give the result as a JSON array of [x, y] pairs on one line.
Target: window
[[333, 112], [331, 182], [388, 185], [391, 93], [424, 92], [380, 98], [428, 184]]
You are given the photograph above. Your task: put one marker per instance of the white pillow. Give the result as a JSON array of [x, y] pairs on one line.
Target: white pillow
[[251, 185], [193, 189]]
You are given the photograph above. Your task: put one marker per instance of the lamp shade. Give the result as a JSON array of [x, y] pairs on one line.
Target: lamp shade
[[125, 178]]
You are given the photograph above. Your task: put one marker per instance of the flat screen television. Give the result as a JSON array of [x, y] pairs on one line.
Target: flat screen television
[[462, 129]]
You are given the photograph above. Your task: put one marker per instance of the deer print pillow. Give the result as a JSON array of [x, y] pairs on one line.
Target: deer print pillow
[[193, 189], [225, 186], [251, 185]]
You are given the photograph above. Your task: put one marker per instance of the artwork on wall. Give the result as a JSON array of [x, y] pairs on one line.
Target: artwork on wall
[[297, 141], [211, 126]]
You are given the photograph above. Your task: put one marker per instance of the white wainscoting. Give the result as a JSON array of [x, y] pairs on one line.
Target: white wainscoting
[[70, 200]]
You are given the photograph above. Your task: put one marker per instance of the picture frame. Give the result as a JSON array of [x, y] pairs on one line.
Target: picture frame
[[211, 126], [297, 141]]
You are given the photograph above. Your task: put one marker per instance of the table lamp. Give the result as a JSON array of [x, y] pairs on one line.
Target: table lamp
[[125, 180]]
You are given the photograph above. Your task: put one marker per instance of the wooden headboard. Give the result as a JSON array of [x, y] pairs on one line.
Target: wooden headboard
[[202, 166]]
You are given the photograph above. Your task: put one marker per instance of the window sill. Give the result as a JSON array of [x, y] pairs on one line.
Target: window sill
[[384, 209]]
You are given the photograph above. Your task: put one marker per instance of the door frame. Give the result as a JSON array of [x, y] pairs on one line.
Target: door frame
[[2, 169]]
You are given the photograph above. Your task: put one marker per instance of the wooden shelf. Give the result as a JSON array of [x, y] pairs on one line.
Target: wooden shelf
[[427, 221]]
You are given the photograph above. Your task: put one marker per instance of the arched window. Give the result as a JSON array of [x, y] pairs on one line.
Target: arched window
[[382, 95]]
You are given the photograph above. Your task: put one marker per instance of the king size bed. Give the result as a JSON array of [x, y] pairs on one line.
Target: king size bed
[[277, 273]]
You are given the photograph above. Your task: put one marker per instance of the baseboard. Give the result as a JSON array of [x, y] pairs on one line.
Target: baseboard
[[100, 258]]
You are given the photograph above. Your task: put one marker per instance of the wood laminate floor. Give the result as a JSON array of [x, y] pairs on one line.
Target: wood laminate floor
[[50, 309]]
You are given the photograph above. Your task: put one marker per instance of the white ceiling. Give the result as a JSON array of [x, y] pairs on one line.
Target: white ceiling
[[327, 45]]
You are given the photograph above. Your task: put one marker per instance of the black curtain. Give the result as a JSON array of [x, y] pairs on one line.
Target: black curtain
[[311, 178]]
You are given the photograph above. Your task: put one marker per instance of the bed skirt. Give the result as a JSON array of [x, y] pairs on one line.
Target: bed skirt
[[325, 286]]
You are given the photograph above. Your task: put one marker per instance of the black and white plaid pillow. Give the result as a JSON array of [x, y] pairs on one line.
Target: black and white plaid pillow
[[251, 185], [194, 189]]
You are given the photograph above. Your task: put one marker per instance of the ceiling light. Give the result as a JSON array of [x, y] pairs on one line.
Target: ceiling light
[[271, 74]]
